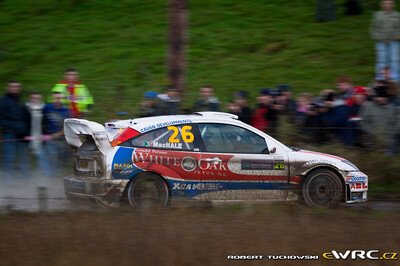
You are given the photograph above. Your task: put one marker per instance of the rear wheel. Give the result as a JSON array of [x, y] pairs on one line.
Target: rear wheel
[[322, 188], [148, 190]]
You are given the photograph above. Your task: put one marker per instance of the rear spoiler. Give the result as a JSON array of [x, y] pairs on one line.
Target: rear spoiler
[[76, 129]]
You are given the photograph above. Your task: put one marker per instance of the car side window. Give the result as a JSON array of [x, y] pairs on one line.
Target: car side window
[[180, 137], [231, 139]]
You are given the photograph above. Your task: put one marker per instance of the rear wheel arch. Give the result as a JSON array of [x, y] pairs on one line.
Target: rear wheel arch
[[124, 197]]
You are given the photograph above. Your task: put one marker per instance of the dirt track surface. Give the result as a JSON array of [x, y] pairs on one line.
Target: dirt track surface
[[195, 235], [23, 195], [187, 233]]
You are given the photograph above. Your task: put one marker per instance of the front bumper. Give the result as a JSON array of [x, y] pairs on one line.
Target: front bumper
[[106, 192], [356, 187]]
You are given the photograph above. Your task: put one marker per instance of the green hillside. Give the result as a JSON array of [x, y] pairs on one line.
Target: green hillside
[[119, 47]]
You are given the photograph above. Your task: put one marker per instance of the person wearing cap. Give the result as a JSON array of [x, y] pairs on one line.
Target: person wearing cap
[[379, 121], [148, 107], [385, 31], [169, 103], [207, 100], [240, 98]]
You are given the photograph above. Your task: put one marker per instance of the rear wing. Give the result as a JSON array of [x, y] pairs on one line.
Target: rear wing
[[76, 130]]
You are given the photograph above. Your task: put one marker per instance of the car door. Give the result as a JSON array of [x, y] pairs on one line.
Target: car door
[[238, 165], [172, 152]]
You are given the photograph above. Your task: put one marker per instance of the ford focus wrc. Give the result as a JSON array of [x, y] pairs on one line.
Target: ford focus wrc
[[207, 155]]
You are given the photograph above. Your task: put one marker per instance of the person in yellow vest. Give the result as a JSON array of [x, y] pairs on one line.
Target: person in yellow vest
[[76, 95]]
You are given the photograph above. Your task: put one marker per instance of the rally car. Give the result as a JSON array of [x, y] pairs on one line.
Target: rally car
[[206, 155]]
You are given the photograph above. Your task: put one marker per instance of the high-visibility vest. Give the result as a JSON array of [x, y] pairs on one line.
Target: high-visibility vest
[[82, 96]]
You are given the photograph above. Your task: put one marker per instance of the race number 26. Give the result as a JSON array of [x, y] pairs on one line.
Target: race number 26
[[187, 136]]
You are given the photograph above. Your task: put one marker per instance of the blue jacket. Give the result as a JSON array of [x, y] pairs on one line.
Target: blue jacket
[[53, 118]]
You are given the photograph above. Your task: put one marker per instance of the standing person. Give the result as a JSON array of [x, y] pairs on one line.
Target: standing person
[[35, 107], [264, 114], [54, 147], [169, 103], [259, 117], [345, 88], [335, 118], [355, 105], [15, 126], [245, 112], [76, 95], [303, 106], [149, 106], [207, 100], [392, 86], [385, 31], [379, 121]]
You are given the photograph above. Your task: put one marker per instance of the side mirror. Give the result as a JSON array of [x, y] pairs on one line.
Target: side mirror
[[273, 150]]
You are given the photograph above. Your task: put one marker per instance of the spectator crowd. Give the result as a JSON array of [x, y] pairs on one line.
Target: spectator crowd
[[32, 132], [366, 117], [355, 116]]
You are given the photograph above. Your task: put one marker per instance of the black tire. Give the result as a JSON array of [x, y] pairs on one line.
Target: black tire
[[322, 188], [148, 190]]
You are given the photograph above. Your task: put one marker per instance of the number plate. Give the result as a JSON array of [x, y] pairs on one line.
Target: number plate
[[83, 163]]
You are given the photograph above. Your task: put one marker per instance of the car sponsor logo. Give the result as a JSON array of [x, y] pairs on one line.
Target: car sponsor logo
[[356, 179], [188, 163], [358, 186], [165, 124], [122, 166], [262, 165], [119, 166], [202, 164], [197, 186]]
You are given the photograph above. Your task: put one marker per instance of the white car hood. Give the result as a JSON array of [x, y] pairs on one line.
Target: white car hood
[[309, 159]]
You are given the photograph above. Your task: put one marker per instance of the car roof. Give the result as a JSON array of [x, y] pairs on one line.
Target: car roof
[[150, 123]]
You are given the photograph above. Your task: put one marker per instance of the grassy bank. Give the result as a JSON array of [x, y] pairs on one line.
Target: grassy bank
[[120, 47]]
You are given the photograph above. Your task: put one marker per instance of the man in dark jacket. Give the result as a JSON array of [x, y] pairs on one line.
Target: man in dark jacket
[[207, 101], [245, 111], [169, 103], [15, 126], [335, 117]]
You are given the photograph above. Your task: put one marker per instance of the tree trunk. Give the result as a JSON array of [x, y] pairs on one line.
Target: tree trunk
[[177, 41]]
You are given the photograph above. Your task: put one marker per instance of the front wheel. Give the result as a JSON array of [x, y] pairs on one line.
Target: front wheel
[[148, 190], [322, 188]]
